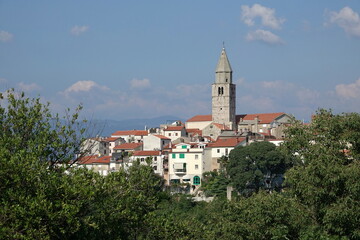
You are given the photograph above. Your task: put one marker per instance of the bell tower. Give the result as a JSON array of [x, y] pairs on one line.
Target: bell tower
[[224, 94]]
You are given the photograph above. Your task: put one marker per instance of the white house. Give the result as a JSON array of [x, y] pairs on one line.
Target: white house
[[113, 142], [186, 164], [154, 156], [198, 122], [131, 135], [222, 147], [174, 132], [95, 146], [155, 142]]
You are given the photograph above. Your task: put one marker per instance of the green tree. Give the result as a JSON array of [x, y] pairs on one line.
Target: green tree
[[257, 166], [42, 197], [327, 171], [215, 183]]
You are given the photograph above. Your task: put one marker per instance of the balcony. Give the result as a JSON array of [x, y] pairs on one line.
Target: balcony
[[180, 171]]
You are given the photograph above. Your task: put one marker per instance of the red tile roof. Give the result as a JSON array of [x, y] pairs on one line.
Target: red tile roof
[[221, 126], [130, 133], [162, 137], [111, 139], [227, 142], [200, 118], [94, 159], [127, 146], [174, 128], [194, 131], [263, 117], [146, 153]]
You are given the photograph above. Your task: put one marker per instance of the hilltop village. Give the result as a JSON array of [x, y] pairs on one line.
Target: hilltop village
[[181, 152]]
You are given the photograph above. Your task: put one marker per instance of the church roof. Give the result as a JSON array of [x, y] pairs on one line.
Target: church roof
[[263, 117], [200, 118], [223, 64]]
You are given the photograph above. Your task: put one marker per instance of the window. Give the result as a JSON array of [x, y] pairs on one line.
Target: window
[[196, 166], [142, 159], [196, 180], [182, 155], [173, 155], [155, 168], [226, 151], [163, 142], [169, 134], [155, 158], [196, 156], [176, 134], [218, 150], [184, 146]]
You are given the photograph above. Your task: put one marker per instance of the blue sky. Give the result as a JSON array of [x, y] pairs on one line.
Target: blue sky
[[143, 59]]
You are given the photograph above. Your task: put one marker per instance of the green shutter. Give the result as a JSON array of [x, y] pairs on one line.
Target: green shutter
[[183, 146], [182, 155], [173, 155], [196, 180]]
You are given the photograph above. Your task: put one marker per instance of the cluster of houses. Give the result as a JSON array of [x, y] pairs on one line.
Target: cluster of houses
[[182, 152], [179, 152]]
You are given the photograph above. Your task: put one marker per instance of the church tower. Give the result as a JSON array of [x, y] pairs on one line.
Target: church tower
[[224, 94]]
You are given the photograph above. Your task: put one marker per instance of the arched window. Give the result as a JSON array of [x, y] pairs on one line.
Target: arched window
[[196, 180], [219, 90], [222, 90]]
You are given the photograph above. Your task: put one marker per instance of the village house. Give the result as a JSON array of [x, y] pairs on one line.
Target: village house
[[155, 142], [154, 158], [131, 135]]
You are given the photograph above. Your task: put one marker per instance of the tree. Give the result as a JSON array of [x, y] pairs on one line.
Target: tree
[[43, 197], [259, 165], [326, 176]]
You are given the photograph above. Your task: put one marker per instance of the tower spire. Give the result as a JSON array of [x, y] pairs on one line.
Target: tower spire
[[223, 65]]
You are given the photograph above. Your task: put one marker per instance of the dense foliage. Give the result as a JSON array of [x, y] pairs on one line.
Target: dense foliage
[[259, 165], [41, 197]]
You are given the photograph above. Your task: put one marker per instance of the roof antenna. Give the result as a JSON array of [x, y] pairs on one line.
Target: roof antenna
[[223, 45]]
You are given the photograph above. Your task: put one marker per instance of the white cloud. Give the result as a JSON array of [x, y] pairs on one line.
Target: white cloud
[[28, 87], [84, 86], [5, 36], [77, 30], [264, 36], [349, 91], [267, 15], [347, 19], [140, 83]]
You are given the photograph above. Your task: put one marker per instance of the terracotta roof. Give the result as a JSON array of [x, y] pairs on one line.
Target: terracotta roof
[[111, 139], [194, 131], [263, 117], [94, 159], [174, 128], [162, 137], [227, 142], [221, 126], [200, 118], [130, 132], [146, 153], [128, 146]]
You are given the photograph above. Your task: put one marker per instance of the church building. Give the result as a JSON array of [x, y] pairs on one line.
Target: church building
[[224, 118]]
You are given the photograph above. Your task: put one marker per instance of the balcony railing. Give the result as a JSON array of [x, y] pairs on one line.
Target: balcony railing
[[180, 171]]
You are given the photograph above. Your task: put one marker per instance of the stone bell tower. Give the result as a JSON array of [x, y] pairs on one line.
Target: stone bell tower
[[224, 94]]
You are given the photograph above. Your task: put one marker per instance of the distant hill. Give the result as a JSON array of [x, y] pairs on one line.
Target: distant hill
[[107, 127]]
